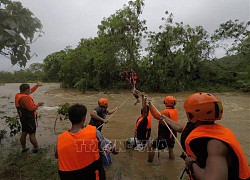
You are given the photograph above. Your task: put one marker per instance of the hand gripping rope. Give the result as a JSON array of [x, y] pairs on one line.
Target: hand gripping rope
[[115, 111], [168, 127], [170, 131]]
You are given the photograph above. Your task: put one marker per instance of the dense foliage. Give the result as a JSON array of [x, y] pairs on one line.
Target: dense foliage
[[32, 74], [177, 58], [18, 27], [12, 124]]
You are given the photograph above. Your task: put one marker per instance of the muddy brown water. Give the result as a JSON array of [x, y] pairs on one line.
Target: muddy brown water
[[128, 164]]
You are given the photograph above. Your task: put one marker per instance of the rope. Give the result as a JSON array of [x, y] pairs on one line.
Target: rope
[[167, 127], [115, 111], [171, 131]]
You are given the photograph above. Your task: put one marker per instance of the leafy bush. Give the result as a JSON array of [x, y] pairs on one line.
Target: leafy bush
[[13, 124], [64, 110]]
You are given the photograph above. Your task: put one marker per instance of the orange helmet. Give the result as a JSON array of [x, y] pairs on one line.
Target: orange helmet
[[169, 101], [203, 107], [103, 102]]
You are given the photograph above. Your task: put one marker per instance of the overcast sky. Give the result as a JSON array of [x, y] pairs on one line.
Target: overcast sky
[[65, 22]]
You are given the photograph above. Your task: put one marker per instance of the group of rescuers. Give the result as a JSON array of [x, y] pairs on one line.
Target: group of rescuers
[[213, 152]]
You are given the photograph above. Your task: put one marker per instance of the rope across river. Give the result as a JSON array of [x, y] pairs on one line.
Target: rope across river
[[157, 112], [166, 125], [115, 111]]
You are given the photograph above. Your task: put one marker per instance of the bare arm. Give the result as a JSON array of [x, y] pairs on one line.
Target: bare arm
[[216, 164], [98, 118], [174, 125], [25, 103], [34, 88], [112, 111], [144, 105]]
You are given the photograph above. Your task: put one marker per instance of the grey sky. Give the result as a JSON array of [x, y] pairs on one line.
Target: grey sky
[[66, 22]]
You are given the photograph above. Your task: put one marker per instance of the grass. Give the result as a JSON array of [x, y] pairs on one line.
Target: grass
[[43, 166], [28, 166]]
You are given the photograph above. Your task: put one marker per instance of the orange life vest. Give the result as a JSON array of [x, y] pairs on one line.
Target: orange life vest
[[172, 113], [18, 97], [17, 104], [149, 117], [77, 151], [221, 133], [144, 128], [163, 131]]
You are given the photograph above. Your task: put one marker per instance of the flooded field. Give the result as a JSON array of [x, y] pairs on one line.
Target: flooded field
[[128, 164]]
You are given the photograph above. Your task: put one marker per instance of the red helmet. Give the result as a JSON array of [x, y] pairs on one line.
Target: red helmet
[[103, 102], [203, 107], [169, 101]]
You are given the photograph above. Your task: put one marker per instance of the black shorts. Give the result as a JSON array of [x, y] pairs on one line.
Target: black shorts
[[28, 125], [161, 143]]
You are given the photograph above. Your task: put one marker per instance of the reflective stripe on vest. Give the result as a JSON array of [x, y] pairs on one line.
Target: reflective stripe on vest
[[221, 133], [76, 151]]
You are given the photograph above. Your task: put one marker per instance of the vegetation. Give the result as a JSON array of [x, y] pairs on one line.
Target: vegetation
[[18, 28], [178, 57], [43, 166], [62, 113], [28, 166], [33, 74], [13, 125]]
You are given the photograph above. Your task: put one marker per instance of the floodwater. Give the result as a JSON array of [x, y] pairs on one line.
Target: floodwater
[[128, 164]]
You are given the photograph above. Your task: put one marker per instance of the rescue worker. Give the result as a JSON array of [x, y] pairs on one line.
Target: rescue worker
[[133, 80], [165, 139], [136, 95], [79, 149], [143, 125], [26, 109], [213, 150], [131, 76], [98, 116]]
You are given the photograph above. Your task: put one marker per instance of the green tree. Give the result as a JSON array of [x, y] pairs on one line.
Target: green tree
[[175, 55], [52, 66], [180, 57], [37, 71], [233, 36], [36, 67], [77, 65], [18, 28], [120, 38]]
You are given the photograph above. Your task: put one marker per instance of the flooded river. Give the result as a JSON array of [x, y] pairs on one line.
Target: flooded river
[[128, 164]]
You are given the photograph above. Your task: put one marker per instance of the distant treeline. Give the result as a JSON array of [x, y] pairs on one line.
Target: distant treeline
[[33, 74], [226, 74], [178, 57]]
